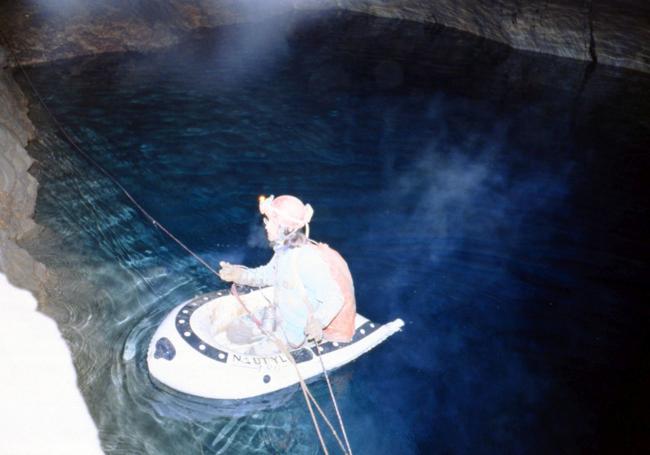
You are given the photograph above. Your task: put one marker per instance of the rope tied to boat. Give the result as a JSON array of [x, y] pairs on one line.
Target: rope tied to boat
[[309, 398]]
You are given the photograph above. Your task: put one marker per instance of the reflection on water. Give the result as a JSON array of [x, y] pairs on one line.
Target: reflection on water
[[491, 199]]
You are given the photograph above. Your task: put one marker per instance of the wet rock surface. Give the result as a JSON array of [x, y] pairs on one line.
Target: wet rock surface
[[40, 33], [17, 187], [612, 33], [603, 31]]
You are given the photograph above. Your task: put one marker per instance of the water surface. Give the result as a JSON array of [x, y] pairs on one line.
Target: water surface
[[492, 199]]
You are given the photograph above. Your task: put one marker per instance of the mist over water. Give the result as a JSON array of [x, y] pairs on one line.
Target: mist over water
[[477, 193]]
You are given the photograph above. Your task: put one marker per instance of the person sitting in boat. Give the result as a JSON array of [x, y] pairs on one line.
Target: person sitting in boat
[[313, 287]]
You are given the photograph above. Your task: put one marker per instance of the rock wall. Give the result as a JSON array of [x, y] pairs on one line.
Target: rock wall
[[41, 32], [42, 409], [17, 187], [613, 32]]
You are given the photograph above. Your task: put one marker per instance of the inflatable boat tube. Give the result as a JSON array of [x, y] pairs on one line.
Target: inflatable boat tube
[[186, 355]]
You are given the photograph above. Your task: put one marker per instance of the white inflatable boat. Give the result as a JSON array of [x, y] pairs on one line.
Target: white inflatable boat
[[186, 355]]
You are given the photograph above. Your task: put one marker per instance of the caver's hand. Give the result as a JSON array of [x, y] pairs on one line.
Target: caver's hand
[[313, 330], [229, 272]]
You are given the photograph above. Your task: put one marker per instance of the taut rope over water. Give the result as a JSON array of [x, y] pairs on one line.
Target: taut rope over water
[[309, 398], [98, 166]]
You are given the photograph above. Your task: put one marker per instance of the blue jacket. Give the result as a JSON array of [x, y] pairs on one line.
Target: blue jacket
[[301, 277]]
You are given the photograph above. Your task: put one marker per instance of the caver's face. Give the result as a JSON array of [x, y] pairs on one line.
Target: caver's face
[[272, 229]]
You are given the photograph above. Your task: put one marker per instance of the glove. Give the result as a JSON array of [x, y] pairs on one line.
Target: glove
[[314, 330], [229, 272]]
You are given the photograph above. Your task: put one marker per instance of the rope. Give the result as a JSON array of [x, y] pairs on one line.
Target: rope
[[101, 169], [336, 407], [329, 386], [309, 398]]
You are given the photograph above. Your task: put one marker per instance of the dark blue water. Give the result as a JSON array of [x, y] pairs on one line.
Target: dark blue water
[[494, 200]]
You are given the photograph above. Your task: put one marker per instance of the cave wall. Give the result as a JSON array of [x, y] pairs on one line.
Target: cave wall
[[40, 34], [612, 32], [609, 32], [56, 419], [17, 187]]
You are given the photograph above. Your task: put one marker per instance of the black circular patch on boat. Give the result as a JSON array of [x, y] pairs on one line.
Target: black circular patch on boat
[[164, 349], [266, 379]]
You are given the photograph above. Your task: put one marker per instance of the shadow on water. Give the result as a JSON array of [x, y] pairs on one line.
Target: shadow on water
[[485, 196]]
